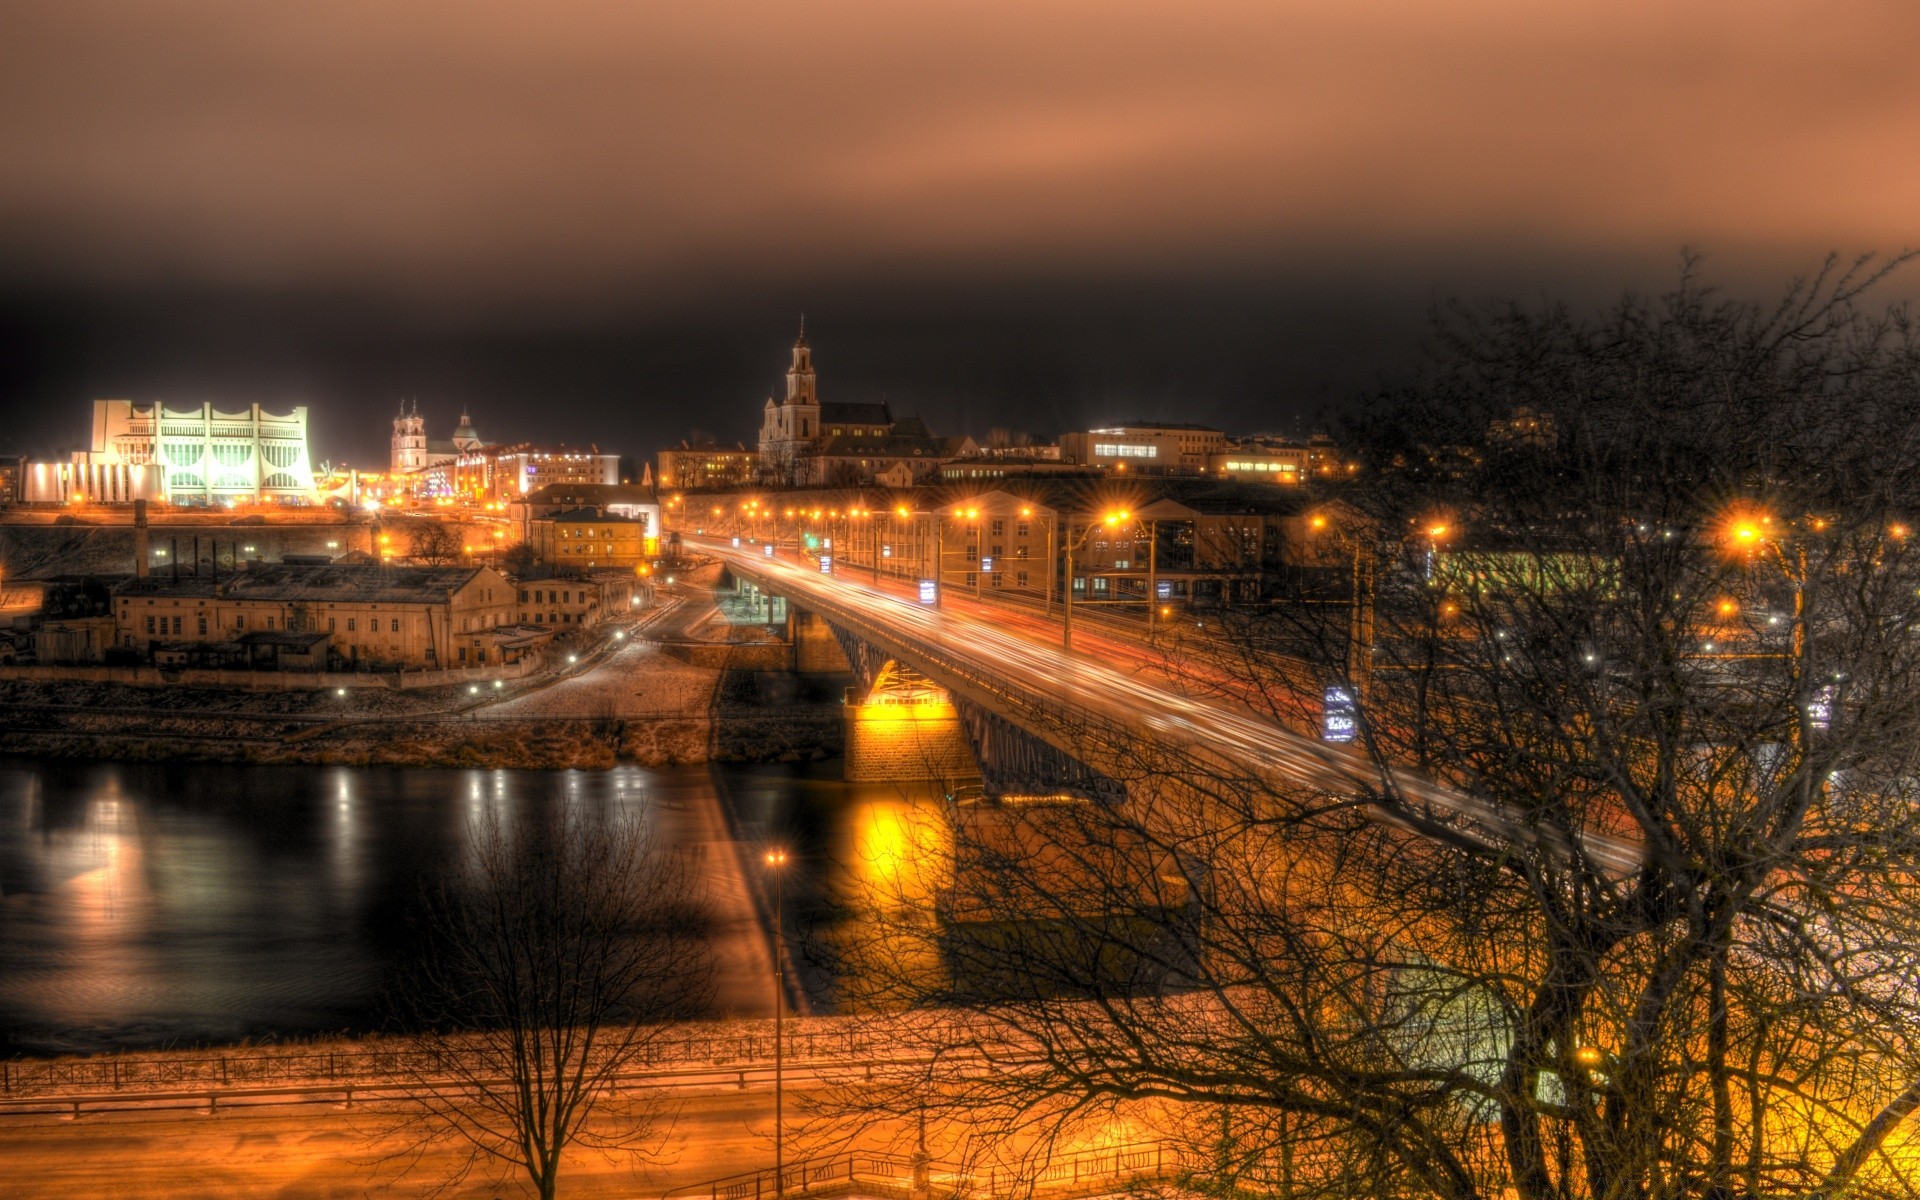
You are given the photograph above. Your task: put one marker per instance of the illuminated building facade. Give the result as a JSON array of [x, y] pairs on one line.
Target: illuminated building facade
[[182, 456], [1145, 448], [366, 616], [592, 537]]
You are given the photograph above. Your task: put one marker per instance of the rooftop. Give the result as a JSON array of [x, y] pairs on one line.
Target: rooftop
[[350, 583], [591, 495], [595, 515]]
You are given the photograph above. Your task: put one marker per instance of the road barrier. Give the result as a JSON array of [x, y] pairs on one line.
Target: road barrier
[[719, 1051]]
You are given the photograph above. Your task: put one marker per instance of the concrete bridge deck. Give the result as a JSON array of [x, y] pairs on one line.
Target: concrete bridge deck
[[1105, 713]]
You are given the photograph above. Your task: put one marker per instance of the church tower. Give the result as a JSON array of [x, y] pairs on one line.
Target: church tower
[[409, 440], [802, 384], [788, 428], [464, 438]]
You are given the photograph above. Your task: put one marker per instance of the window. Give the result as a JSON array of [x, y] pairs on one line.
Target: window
[[203, 627], [539, 618], [239, 620], [1019, 551], [1124, 450], [1020, 530], [463, 654], [352, 624], [176, 626], [998, 528], [396, 625], [329, 624], [523, 595], [972, 579], [1020, 579], [149, 623], [269, 622]]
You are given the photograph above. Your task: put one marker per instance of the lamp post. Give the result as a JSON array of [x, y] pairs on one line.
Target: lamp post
[[1109, 521], [1360, 605], [776, 861]]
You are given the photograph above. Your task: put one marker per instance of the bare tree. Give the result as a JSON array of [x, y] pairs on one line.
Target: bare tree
[[1618, 898], [557, 954], [435, 544]]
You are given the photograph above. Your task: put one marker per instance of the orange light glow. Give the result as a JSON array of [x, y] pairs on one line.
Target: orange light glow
[[1726, 608]]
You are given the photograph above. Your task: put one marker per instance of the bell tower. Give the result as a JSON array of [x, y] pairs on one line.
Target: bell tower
[[802, 385], [409, 440]]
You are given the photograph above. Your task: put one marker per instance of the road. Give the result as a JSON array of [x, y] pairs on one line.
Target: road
[[328, 1152], [1117, 682]]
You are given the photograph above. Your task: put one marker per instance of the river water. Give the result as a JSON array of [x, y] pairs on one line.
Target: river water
[[149, 905]]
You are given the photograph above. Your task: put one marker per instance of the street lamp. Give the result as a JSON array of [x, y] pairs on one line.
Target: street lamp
[[1360, 615], [1110, 521], [776, 862]]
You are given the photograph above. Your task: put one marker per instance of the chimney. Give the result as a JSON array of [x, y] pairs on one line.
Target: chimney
[[140, 551]]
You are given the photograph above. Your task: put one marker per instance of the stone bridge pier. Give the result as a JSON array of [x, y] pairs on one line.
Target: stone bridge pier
[[907, 729]]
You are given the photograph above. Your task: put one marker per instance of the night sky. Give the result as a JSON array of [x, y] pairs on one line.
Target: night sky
[[601, 221]]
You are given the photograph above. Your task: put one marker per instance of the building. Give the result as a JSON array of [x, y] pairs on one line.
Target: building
[[1145, 447], [13, 479], [624, 500], [1525, 427], [413, 453], [708, 465], [1184, 539], [807, 442], [980, 470], [365, 616], [576, 601], [522, 469], [182, 456], [1256, 462], [588, 538]]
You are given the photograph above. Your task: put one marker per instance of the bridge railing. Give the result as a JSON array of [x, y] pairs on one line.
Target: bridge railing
[[806, 1040]]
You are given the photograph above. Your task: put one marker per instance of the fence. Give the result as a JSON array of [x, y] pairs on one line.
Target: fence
[[893, 1175], [368, 1064]]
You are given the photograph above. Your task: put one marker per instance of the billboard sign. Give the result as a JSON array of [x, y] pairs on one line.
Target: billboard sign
[[826, 564], [929, 591], [769, 549], [1339, 717], [1163, 589]]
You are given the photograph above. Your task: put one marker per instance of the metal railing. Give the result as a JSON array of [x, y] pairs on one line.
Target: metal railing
[[370, 1064], [894, 1175]]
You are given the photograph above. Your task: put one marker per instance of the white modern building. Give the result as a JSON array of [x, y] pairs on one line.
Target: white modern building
[[182, 456]]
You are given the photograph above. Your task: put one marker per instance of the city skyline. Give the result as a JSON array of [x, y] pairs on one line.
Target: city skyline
[[1051, 219]]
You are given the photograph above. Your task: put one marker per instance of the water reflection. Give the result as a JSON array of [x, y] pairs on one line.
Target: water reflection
[[157, 904], [145, 905]]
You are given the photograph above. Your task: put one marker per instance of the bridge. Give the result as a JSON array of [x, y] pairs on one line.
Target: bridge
[[1044, 718]]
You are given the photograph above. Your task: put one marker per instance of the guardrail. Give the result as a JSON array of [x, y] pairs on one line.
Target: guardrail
[[894, 1175], [371, 1064]]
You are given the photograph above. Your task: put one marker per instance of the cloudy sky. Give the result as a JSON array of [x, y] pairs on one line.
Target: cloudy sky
[[600, 221]]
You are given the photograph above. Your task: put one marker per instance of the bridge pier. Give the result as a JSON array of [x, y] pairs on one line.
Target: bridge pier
[[906, 729], [816, 651]]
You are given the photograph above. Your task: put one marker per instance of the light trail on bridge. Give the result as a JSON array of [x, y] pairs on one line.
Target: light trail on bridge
[[1076, 680]]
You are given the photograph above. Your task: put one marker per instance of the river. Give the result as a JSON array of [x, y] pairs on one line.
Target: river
[[150, 905]]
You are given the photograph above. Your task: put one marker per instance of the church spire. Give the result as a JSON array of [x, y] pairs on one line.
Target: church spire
[[802, 387]]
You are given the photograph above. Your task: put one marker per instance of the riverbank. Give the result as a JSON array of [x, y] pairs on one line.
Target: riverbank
[[640, 706]]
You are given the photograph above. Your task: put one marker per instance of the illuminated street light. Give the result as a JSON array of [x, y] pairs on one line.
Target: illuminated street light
[[776, 860], [1111, 520]]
